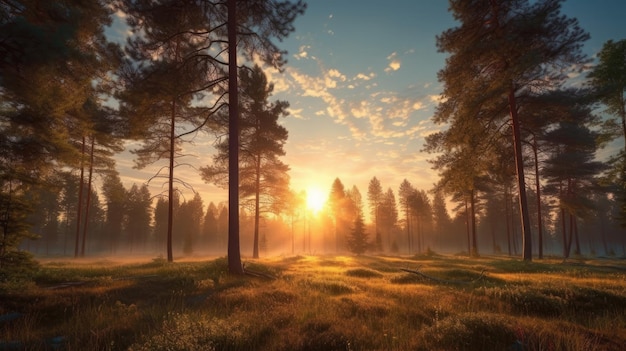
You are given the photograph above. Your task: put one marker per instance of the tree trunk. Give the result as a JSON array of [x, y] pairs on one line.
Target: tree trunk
[[576, 239], [79, 205], [170, 182], [88, 200], [257, 212], [507, 214], [474, 252], [521, 181], [467, 229], [234, 253], [408, 228], [564, 232], [538, 190], [571, 235]]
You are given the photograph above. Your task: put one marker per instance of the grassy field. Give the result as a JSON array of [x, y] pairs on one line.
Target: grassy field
[[319, 303]]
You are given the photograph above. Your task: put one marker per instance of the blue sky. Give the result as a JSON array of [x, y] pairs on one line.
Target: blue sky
[[361, 80]]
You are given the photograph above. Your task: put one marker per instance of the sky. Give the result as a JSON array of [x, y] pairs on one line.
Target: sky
[[361, 81]]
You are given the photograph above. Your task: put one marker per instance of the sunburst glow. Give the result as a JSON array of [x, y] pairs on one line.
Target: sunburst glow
[[315, 199]]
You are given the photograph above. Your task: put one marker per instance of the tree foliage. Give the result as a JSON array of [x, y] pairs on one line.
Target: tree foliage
[[501, 52]]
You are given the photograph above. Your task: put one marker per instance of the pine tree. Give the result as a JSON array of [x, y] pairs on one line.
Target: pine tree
[[263, 177], [115, 199], [375, 198], [357, 241], [501, 51]]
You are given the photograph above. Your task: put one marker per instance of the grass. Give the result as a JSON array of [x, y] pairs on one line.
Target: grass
[[319, 303]]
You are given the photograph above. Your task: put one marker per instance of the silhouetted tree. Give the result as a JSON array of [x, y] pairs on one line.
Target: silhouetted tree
[[338, 202], [375, 198], [115, 201], [189, 222], [441, 217], [404, 193], [209, 228], [138, 216], [357, 241], [389, 216]]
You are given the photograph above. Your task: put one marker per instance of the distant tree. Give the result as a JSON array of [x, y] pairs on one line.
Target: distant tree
[[209, 227], [222, 225], [501, 51], [161, 222], [375, 198], [357, 241], [189, 222], [44, 218], [68, 205], [138, 216], [388, 216], [355, 203], [338, 201], [295, 209], [441, 217], [405, 193], [115, 201], [421, 211]]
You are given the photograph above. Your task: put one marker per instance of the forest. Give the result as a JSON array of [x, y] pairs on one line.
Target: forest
[[519, 244], [516, 152]]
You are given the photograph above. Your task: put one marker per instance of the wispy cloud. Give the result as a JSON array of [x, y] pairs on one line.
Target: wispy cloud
[[394, 62]]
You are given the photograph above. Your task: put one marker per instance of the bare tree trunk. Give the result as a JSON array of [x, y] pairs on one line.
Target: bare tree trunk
[[257, 195], [79, 206], [508, 217], [234, 253], [538, 190], [88, 200], [474, 251], [170, 185], [571, 234], [521, 181], [576, 239], [467, 229], [564, 231]]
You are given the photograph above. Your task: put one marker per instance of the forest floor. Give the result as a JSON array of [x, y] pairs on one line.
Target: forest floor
[[319, 303]]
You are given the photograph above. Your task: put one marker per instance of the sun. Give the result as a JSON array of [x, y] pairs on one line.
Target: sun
[[315, 199]]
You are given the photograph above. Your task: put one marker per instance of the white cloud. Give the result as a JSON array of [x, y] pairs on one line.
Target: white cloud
[[336, 74], [394, 62], [393, 66], [302, 52], [418, 105], [296, 113], [363, 76]]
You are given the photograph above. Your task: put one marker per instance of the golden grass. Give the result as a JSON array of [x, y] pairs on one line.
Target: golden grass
[[320, 303]]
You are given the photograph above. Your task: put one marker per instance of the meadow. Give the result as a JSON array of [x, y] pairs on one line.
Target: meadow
[[319, 303]]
